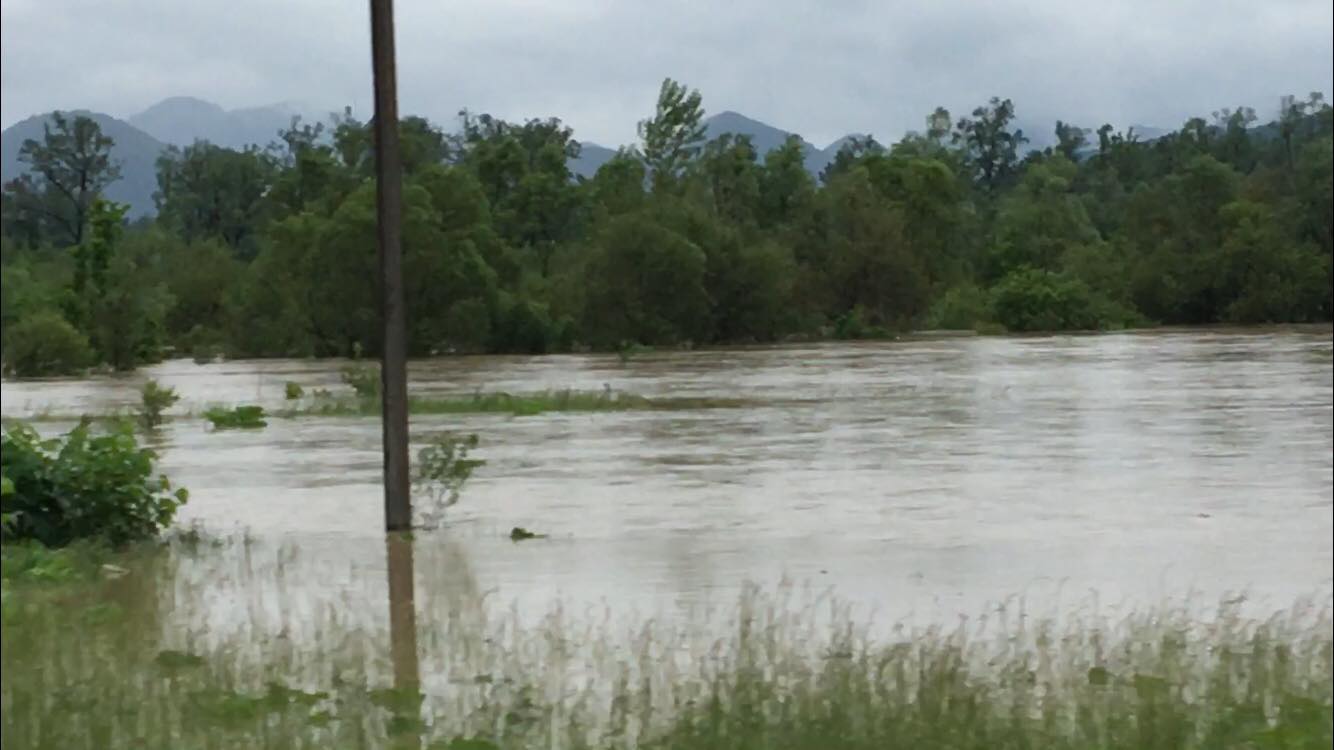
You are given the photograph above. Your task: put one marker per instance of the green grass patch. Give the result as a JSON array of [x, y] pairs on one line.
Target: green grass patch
[[517, 404], [236, 418], [325, 404]]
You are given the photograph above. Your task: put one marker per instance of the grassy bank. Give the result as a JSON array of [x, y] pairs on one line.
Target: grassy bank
[[132, 656]]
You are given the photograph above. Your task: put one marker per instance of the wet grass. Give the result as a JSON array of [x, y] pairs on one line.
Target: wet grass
[[237, 418], [517, 404], [513, 404], [137, 660]]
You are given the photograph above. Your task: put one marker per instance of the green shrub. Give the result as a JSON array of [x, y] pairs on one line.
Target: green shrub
[[963, 308], [292, 390], [1029, 299], [155, 399], [855, 324], [83, 486], [364, 379], [443, 467], [204, 345], [45, 344], [238, 418], [528, 327]]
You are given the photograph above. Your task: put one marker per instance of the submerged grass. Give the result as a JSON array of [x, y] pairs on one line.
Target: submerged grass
[[518, 404], [514, 404], [139, 660]]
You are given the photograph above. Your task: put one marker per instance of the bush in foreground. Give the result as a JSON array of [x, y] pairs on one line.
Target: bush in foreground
[[83, 486]]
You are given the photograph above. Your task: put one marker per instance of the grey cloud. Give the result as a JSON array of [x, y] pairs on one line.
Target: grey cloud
[[819, 68]]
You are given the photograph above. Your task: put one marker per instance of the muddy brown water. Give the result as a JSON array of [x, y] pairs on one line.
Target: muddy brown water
[[919, 479]]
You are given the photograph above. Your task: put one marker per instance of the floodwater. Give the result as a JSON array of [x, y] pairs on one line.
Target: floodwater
[[919, 480]]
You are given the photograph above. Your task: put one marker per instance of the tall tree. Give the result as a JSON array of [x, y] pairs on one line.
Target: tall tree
[[673, 137], [732, 175], [69, 167], [206, 191], [1070, 140], [991, 148], [854, 149], [786, 188]]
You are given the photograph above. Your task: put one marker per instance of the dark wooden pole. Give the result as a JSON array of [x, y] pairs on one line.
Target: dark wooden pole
[[389, 208]]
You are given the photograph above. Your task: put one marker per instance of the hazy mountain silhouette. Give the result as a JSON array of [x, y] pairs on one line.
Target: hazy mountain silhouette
[[135, 150]]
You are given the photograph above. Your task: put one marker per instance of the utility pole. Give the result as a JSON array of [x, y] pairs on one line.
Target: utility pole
[[389, 211]]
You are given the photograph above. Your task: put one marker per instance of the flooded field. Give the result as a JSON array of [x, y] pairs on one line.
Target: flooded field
[[919, 478], [1121, 485]]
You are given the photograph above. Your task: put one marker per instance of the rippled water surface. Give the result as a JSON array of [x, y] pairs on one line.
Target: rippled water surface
[[919, 478]]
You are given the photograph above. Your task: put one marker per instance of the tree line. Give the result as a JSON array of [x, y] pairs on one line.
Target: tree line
[[676, 241]]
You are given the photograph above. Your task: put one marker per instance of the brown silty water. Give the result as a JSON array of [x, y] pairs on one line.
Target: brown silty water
[[918, 479]]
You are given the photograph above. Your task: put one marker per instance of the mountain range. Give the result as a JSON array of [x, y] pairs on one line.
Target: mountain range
[[180, 121]]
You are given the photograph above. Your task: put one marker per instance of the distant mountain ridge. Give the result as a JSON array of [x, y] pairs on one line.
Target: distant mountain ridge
[[135, 150], [181, 120]]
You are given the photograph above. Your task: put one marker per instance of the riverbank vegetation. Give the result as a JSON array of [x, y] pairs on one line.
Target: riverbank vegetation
[[87, 484], [321, 403], [135, 659], [676, 241]]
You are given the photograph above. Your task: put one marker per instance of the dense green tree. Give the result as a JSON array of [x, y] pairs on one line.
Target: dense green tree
[[1039, 221], [1070, 140], [205, 191], [990, 146], [674, 136], [67, 171], [853, 150], [733, 176], [646, 284], [678, 241], [786, 189], [864, 255]]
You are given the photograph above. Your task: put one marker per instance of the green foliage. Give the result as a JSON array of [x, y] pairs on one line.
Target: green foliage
[[1029, 299], [517, 404], [236, 418], [153, 400], [206, 191], [292, 390], [83, 486], [672, 138], [855, 324], [963, 308], [45, 344], [441, 470], [645, 284], [674, 242], [66, 173], [364, 380]]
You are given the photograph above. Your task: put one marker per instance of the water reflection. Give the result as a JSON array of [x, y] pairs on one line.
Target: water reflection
[[402, 611]]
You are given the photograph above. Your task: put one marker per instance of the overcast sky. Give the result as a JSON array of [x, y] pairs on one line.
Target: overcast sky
[[821, 69]]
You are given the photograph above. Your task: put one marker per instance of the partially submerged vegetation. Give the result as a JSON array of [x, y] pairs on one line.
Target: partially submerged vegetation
[[154, 399], [236, 418], [518, 404], [83, 485], [325, 404], [98, 662], [439, 473]]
